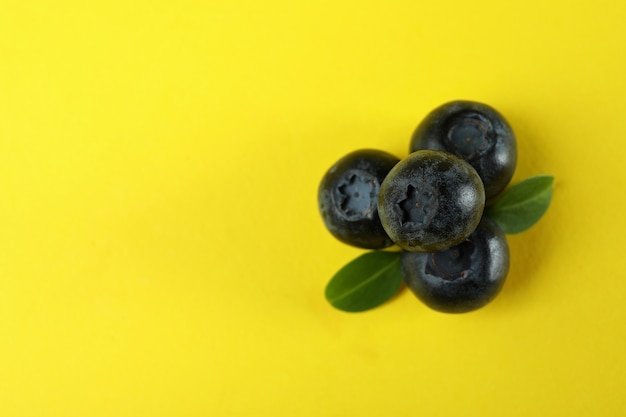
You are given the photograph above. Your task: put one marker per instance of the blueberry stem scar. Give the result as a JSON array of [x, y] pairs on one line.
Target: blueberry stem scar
[[418, 207]]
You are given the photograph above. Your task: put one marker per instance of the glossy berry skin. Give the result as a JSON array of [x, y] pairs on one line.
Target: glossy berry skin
[[464, 277], [348, 198], [430, 200], [476, 133]]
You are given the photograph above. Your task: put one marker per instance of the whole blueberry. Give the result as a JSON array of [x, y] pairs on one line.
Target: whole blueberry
[[430, 200], [475, 132], [464, 277], [348, 198]]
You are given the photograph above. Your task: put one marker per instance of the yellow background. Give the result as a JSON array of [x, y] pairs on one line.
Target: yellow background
[[161, 253]]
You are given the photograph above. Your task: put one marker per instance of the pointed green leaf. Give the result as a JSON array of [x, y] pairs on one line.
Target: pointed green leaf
[[366, 282], [522, 205]]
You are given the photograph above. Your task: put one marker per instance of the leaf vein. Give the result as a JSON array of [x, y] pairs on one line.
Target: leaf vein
[[365, 282]]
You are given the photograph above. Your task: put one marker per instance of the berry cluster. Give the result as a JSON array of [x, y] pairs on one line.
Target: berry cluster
[[431, 204]]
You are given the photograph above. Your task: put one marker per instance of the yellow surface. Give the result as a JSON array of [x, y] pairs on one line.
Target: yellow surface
[[161, 253]]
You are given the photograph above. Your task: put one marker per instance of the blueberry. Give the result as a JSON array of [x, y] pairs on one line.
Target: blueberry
[[464, 277], [348, 198], [430, 200], [475, 132]]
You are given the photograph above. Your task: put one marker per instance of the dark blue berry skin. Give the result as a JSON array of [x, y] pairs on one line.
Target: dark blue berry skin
[[348, 198], [462, 278], [476, 133], [431, 200]]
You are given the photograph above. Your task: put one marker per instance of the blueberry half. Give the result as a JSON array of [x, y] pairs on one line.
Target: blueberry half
[[348, 198], [475, 132], [464, 277], [431, 200]]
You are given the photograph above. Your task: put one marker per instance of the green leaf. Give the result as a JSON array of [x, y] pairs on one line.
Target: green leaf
[[366, 282], [522, 205]]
